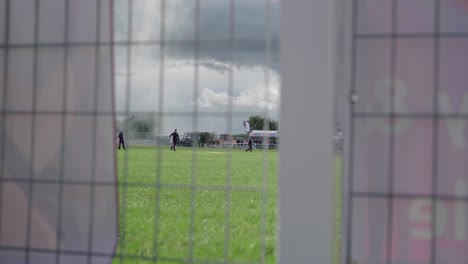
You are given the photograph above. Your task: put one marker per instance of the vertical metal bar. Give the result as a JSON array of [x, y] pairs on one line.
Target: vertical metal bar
[[159, 129], [97, 66], [195, 128], [33, 133], [350, 152], [62, 131], [391, 120], [341, 112], [266, 126], [435, 130], [127, 111], [227, 208], [6, 64], [306, 181]]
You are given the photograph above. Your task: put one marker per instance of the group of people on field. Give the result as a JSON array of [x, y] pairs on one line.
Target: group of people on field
[[175, 139]]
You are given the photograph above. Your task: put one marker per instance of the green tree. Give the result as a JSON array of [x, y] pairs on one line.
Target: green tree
[[256, 123], [203, 138], [138, 124], [273, 124]]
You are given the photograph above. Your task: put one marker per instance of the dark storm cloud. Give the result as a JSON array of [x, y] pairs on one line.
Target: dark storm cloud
[[249, 50], [216, 55]]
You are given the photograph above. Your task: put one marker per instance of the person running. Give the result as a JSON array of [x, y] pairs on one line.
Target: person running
[[249, 143], [175, 139], [121, 140]]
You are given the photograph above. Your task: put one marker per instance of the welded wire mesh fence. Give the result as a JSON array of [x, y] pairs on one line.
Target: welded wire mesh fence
[[60, 176], [406, 177]]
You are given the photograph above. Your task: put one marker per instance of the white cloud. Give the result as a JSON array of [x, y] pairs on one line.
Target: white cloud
[[255, 98]]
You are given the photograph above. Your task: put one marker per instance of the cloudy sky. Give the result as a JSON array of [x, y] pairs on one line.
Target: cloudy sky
[[251, 63]]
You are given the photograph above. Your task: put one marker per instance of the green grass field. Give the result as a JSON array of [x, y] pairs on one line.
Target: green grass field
[[157, 221]]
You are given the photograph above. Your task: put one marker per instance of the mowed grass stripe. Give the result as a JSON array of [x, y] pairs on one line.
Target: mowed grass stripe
[[176, 167]]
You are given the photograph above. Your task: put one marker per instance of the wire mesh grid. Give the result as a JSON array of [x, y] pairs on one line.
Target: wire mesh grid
[[39, 88], [83, 224], [406, 182]]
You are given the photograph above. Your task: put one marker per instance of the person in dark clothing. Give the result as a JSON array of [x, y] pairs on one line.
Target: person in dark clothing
[[121, 140], [175, 139], [249, 143]]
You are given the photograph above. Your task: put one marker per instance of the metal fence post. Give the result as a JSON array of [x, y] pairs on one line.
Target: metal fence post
[[306, 152]]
